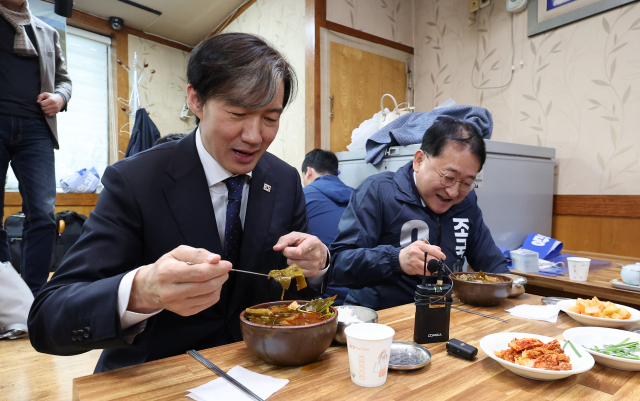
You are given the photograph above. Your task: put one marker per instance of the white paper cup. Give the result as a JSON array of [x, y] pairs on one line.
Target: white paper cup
[[578, 268], [369, 346]]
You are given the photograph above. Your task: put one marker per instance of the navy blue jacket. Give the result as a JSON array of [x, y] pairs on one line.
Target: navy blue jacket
[[327, 197], [385, 214], [152, 203]]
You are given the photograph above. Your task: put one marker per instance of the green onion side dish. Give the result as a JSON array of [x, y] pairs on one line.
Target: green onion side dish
[[574, 348], [623, 349]]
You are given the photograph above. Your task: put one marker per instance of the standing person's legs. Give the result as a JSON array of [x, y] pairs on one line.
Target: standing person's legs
[[34, 165], [5, 157]]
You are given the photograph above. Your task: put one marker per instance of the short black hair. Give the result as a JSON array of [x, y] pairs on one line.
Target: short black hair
[[240, 68], [169, 138], [323, 161], [448, 130]]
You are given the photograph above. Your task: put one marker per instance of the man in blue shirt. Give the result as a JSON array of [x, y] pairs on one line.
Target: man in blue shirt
[[326, 197]]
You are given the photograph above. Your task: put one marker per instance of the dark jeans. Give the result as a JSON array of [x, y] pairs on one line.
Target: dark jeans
[[28, 145]]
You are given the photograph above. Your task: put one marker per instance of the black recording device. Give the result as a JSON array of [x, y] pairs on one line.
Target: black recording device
[[433, 304], [461, 350]]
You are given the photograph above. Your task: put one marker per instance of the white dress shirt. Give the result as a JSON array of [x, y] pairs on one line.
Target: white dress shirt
[[216, 174]]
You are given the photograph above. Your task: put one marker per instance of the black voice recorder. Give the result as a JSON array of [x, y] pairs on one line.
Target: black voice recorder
[[433, 306], [461, 350]]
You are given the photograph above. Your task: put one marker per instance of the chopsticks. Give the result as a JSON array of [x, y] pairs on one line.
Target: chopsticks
[[198, 357], [480, 314]]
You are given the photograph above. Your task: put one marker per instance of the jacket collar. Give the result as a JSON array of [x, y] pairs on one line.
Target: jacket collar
[[189, 199]]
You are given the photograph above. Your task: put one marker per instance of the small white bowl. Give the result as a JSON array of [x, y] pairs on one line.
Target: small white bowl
[[583, 337], [500, 341], [599, 321]]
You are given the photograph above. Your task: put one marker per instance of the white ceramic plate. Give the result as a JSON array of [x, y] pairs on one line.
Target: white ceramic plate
[[598, 336], [500, 341], [599, 321], [621, 284]]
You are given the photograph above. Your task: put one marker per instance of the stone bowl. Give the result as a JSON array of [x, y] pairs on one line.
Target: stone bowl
[[481, 294], [288, 345]]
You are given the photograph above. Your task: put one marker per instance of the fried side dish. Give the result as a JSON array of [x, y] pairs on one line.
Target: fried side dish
[[478, 277], [284, 277], [596, 308], [533, 353]]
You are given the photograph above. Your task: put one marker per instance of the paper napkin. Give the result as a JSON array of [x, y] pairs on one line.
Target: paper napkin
[[547, 313], [221, 390]]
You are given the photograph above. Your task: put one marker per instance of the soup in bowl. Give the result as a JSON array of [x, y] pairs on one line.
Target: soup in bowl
[[284, 337]]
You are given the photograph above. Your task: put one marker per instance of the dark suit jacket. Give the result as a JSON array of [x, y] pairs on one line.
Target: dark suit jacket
[[152, 203], [53, 70]]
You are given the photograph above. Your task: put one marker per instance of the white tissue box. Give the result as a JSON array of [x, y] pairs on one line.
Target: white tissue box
[[525, 261]]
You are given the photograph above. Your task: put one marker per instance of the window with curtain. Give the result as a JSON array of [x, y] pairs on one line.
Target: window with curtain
[[83, 130]]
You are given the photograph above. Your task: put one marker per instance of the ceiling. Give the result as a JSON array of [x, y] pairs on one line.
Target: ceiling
[[185, 21]]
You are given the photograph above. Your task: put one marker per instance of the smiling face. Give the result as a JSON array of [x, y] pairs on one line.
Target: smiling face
[[455, 161], [235, 136]]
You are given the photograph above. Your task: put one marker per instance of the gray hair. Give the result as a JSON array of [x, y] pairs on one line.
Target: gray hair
[[241, 69]]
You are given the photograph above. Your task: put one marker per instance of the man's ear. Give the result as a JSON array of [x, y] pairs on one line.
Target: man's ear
[[418, 158], [309, 173], [193, 101]]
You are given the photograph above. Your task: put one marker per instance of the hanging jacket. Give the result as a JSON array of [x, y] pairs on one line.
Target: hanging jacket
[[385, 214], [327, 197], [143, 135], [410, 128]]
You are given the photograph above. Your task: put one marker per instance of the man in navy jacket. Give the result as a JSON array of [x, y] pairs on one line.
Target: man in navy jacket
[[326, 197], [379, 251], [150, 276]]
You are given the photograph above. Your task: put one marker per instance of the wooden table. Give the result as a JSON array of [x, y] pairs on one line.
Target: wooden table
[[445, 378], [597, 285]]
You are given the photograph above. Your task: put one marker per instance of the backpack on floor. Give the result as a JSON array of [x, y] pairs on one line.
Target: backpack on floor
[[69, 225], [13, 226]]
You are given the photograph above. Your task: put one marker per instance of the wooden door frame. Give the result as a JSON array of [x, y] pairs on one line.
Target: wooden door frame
[[326, 37], [315, 20]]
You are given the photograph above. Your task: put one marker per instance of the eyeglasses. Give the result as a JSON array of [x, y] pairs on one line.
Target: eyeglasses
[[448, 181]]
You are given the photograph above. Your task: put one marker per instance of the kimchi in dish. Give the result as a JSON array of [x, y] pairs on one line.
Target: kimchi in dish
[[315, 311], [533, 353]]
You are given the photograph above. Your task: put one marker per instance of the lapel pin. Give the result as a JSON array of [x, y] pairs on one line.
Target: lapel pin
[[267, 187]]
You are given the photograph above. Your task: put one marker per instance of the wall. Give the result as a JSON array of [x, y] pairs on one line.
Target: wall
[[164, 93], [577, 90], [388, 19], [281, 23]]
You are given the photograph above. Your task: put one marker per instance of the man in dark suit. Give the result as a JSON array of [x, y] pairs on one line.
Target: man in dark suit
[[34, 86], [150, 276]]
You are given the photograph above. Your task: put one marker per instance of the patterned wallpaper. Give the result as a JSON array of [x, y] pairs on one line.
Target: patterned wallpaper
[[162, 94], [577, 90], [281, 23], [388, 19]]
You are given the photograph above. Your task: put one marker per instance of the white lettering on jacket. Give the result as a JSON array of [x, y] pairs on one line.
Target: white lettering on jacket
[[461, 232], [408, 229]]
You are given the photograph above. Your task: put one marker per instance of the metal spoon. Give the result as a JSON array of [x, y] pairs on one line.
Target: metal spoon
[[236, 270]]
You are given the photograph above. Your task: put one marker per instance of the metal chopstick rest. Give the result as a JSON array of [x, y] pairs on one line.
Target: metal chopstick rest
[[198, 357], [480, 314]]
